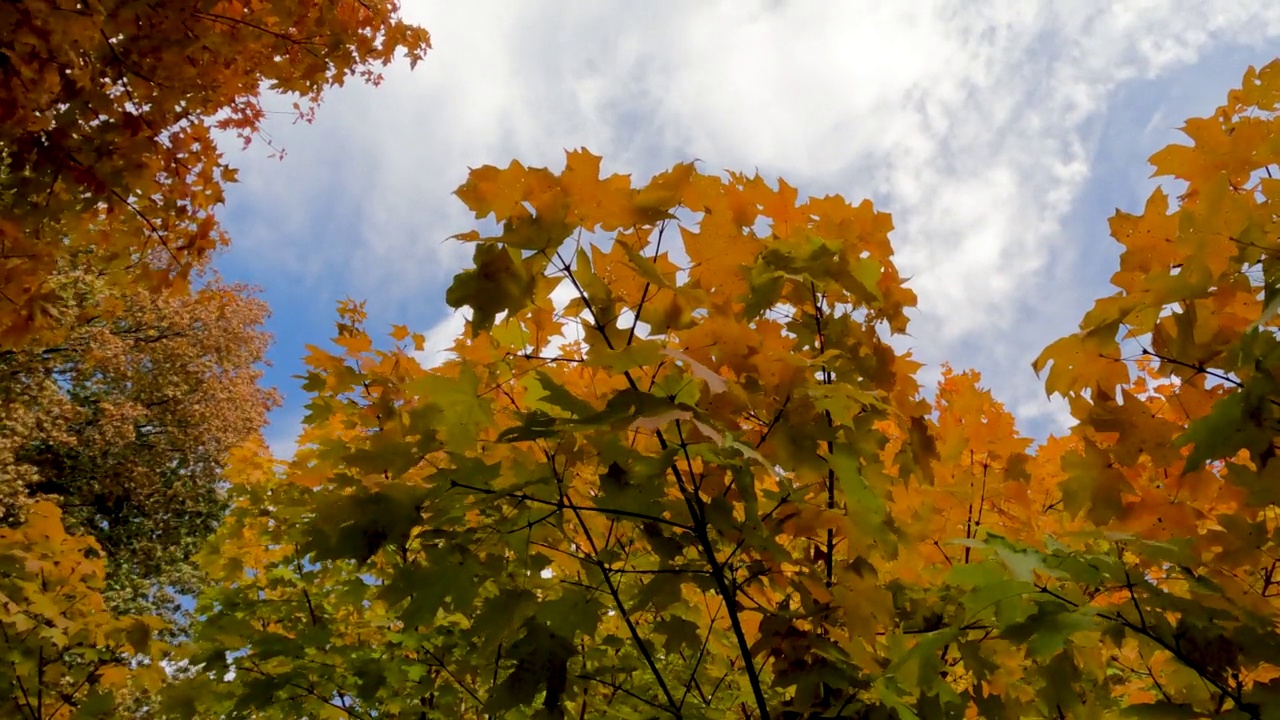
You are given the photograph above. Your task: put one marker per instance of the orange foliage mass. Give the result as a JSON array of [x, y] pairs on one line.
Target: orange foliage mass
[[109, 116]]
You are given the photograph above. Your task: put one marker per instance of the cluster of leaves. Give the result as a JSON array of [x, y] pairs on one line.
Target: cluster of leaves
[[62, 652], [109, 111], [706, 486], [511, 524], [1174, 383], [127, 422]]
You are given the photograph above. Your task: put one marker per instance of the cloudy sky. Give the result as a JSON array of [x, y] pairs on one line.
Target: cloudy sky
[[1001, 135]]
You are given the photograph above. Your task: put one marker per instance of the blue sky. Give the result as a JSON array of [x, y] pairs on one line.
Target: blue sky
[[1001, 135]]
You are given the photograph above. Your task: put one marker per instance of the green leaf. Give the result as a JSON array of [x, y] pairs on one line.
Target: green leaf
[[660, 592], [844, 402], [138, 634], [386, 453], [1046, 631], [867, 271], [640, 353], [623, 489], [598, 295], [1162, 710], [1023, 563], [499, 282], [666, 547], [535, 425], [678, 634], [987, 597], [371, 673], [864, 503], [504, 612], [542, 233], [462, 411], [357, 526], [557, 395], [442, 574], [917, 669], [646, 268], [95, 704], [574, 612], [1093, 484], [541, 661], [765, 289], [1223, 432], [624, 407]]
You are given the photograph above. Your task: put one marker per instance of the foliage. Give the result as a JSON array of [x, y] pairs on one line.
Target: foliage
[[121, 389], [708, 487], [127, 422], [682, 475], [1175, 457], [62, 653], [109, 115]]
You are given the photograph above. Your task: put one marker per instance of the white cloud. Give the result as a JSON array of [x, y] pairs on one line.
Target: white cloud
[[971, 122], [440, 338]]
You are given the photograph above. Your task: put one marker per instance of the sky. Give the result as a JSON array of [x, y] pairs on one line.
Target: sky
[[1000, 135]]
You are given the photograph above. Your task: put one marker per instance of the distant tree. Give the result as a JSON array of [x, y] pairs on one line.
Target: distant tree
[[109, 111], [126, 422]]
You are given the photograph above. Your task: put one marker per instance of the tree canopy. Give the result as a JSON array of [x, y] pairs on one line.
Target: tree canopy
[[127, 423], [110, 112], [708, 486]]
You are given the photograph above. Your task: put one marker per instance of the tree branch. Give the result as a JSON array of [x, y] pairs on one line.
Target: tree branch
[[561, 505], [697, 514]]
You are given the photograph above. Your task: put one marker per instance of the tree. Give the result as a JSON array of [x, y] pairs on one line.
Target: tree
[[109, 112], [708, 487], [126, 424], [682, 466]]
